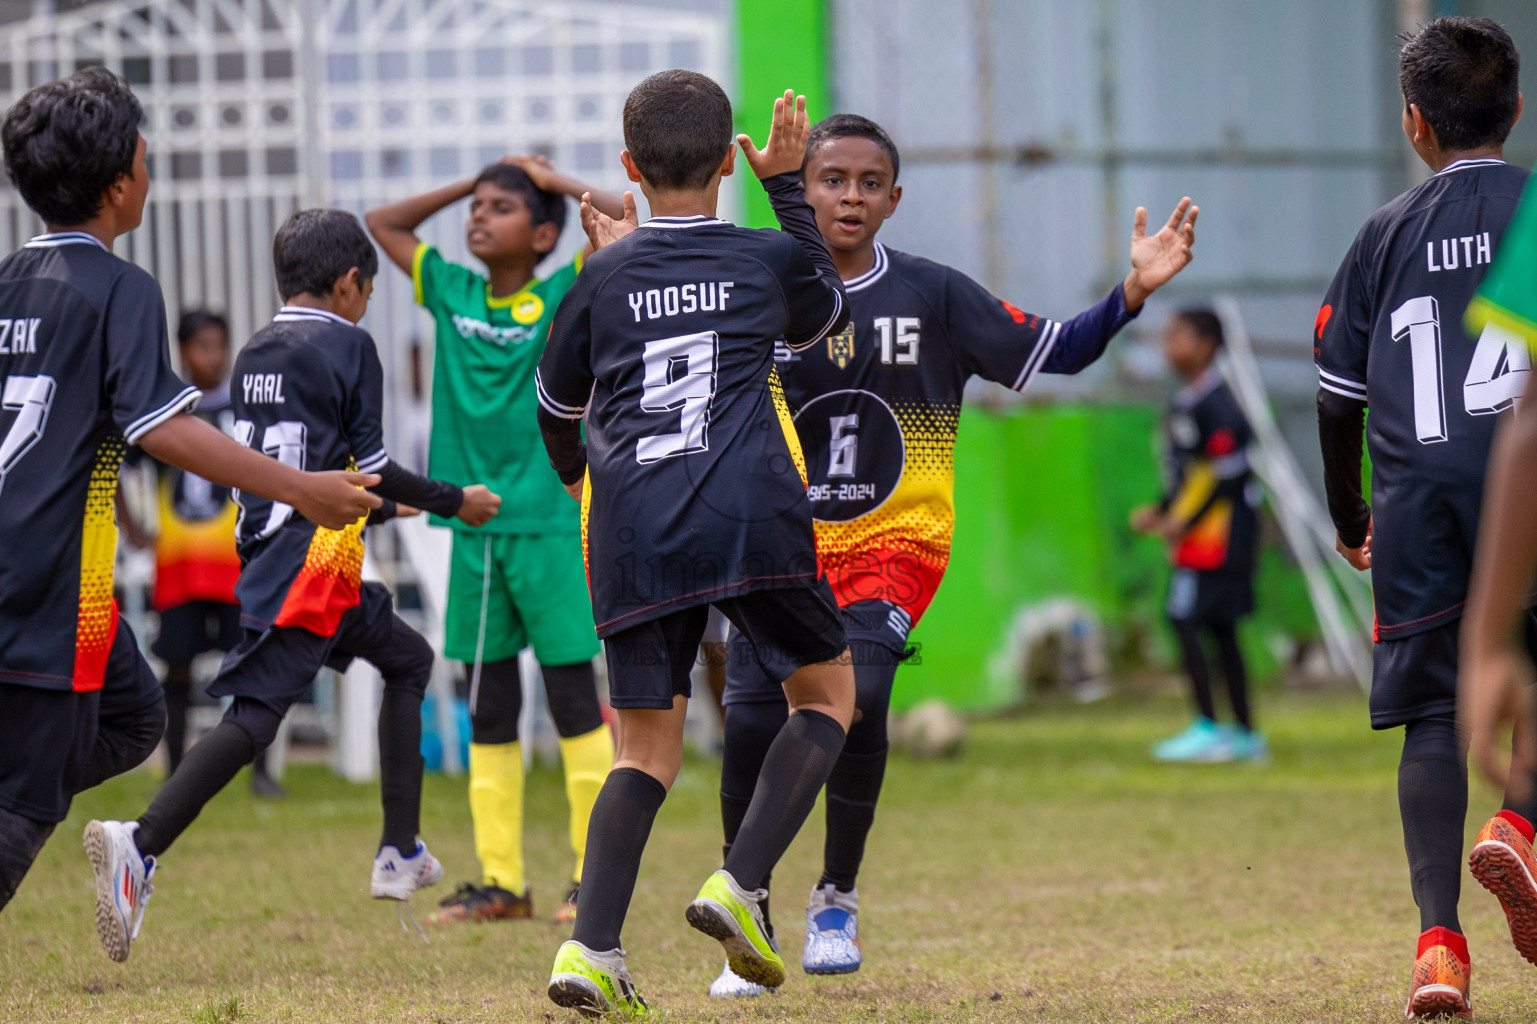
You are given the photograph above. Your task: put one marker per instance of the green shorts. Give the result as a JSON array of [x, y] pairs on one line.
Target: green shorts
[[535, 592]]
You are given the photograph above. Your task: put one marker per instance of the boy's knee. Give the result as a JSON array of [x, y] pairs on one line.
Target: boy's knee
[[255, 719], [572, 692]]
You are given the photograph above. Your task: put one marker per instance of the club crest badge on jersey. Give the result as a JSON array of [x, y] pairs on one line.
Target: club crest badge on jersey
[[840, 347], [527, 309]]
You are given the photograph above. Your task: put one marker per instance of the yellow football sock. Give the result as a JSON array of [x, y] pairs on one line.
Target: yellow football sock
[[496, 806], [588, 760]]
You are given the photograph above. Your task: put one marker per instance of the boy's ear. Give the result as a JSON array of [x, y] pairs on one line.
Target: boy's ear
[[729, 164], [545, 237], [896, 197], [351, 281], [630, 170]]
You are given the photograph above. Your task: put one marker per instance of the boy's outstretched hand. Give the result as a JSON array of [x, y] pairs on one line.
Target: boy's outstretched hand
[[601, 228], [786, 146], [1155, 259], [480, 505], [335, 499]]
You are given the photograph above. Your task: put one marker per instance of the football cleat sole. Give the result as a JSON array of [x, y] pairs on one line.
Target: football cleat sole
[[1499, 869], [109, 923], [1437, 1001], [575, 992], [713, 919], [828, 971]]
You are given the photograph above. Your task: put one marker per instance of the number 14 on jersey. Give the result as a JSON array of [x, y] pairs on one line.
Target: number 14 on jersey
[[1485, 390]]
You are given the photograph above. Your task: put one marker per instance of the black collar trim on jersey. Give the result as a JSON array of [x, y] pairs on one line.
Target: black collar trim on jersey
[[54, 239], [698, 220], [288, 314], [1458, 165], [872, 275]]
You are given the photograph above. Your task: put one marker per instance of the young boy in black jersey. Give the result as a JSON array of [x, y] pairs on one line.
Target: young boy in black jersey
[[1207, 516], [1390, 334], [308, 389], [85, 371], [889, 383], [693, 493]]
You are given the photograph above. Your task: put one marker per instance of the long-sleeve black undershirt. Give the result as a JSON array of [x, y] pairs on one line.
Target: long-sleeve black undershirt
[[787, 195], [563, 443], [401, 485], [1341, 421]]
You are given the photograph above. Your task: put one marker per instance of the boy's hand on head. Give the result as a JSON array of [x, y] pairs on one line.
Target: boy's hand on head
[[601, 228], [540, 169], [335, 500], [1155, 259], [480, 505], [788, 135]]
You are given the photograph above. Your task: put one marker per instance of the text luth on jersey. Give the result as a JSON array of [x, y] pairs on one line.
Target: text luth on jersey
[[262, 388], [18, 337], [704, 297], [1467, 251]]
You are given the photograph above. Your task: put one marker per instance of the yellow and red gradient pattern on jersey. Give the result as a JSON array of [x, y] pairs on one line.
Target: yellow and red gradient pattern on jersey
[[195, 560], [787, 423], [329, 582], [96, 618], [898, 552]]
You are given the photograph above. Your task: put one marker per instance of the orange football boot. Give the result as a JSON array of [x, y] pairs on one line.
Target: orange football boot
[[1503, 862], [1439, 987]]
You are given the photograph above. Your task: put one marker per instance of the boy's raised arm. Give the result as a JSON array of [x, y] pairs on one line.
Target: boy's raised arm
[[394, 225], [541, 171], [332, 500]]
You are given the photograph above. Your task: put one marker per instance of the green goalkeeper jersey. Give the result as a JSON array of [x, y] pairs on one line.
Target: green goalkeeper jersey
[[484, 424], [1507, 299]]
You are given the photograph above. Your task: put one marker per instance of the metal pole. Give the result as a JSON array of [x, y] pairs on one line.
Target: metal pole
[[987, 130]]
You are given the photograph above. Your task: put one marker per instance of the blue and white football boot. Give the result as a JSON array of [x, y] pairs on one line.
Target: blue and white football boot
[[832, 932], [122, 883], [397, 876]]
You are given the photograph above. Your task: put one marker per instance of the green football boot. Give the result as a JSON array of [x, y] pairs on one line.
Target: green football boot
[[595, 984], [725, 911]]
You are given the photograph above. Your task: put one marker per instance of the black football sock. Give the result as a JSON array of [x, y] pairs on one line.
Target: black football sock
[[208, 767], [852, 791], [1234, 672], [794, 771], [21, 840], [749, 731], [616, 837], [1433, 802], [1188, 634], [400, 767], [178, 695]]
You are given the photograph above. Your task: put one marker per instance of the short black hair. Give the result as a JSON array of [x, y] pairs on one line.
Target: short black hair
[[194, 320], [677, 127], [543, 207], [843, 126], [67, 142], [315, 248], [1204, 323], [1463, 74]]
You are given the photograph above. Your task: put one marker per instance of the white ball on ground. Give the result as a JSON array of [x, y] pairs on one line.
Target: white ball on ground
[[932, 729]]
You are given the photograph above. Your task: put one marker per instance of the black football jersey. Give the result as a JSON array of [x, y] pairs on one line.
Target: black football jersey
[[85, 368], [308, 390], [696, 485], [1207, 478], [1390, 334], [877, 407]]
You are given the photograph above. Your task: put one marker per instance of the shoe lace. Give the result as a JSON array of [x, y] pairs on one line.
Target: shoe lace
[[402, 919], [145, 892]]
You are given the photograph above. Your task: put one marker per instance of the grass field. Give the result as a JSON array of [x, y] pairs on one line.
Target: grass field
[[1051, 873]]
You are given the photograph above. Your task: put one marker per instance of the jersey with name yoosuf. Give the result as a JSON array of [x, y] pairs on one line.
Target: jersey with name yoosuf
[[1390, 334], [484, 427], [696, 487], [308, 390], [85, 369], [877, 408]]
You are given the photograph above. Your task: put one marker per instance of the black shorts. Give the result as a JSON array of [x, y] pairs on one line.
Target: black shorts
[[649, 663], [188, 630], [876, 632], [1211, 598], [46, 736], [1415, 677], [276, 665]]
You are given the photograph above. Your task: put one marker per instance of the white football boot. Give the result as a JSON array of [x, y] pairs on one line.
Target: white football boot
[[396, 877], [832, 932], [730, 985], [122, 883]]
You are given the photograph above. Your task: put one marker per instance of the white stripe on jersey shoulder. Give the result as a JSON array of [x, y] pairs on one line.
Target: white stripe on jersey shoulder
[[288, 314], [54, 239], [1325, 377], [1359, 396], [1050, 331], [554, 408], [1457, 165], [698, 220], [872, 275], [375, 461], [184, 402]]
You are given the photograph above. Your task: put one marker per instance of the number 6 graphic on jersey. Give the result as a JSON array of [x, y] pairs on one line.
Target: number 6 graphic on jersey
[[680, 375], [32, 396], [1485, 391]]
